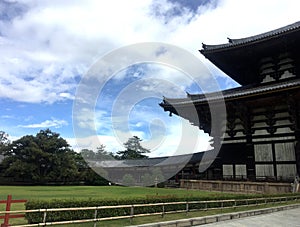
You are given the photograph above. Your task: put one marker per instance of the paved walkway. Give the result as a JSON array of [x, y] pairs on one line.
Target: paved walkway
[[281, 218], [288, 215]]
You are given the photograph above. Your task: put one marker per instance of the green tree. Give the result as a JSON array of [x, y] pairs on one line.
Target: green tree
[[134, 149], [3, 142], [102, 154], [3, 138], [87, 174], [43, 158], [88, 154]]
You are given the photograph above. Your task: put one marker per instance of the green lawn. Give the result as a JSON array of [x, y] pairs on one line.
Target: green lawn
[[98, 192]]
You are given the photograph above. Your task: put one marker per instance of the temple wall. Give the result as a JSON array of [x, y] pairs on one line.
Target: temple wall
[[268, 130]]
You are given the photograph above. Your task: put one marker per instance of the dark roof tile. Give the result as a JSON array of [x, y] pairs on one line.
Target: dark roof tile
[[242, 41], [232, 93]]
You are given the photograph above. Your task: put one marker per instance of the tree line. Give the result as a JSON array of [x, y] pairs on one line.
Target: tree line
[[48, 158]]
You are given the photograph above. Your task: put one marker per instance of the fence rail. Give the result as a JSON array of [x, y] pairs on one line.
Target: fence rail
[[222, 204]]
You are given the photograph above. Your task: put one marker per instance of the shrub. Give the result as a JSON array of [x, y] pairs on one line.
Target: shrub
[[87, 214]]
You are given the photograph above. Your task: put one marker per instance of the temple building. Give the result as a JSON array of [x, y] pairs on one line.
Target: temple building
[[262, 136]]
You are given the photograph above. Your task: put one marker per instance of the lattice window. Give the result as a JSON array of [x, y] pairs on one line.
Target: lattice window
[[285, 152], [263, 152], [266, 170], [240, 171], [286, 170], [227, 171]]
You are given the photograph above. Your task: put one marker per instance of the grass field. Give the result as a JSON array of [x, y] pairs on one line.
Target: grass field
[[98, 192]]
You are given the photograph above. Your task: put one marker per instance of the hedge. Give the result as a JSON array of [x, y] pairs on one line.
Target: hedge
[[89, 214]]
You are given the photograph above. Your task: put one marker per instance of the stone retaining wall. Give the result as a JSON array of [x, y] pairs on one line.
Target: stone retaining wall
[[237, 186]]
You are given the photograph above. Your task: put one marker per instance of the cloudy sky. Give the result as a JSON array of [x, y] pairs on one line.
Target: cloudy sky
[[47, 48]]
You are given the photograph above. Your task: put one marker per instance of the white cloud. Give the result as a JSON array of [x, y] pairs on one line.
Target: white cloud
[[7, 116], [180, 138], [55, 123], [52, 42], [66, 95], [93, 142]]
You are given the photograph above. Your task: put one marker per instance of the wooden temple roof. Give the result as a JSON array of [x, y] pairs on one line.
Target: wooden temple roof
[[241, 58], [244, 60], [267, 35], [230, 94]]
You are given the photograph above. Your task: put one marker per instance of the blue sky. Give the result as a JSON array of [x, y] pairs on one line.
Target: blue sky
[[46, 48]]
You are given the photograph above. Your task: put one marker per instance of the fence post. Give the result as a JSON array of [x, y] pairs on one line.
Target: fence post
[[45, 216], [163, 210], [95, 216], [131, 213], [6, 216], [187, 207]]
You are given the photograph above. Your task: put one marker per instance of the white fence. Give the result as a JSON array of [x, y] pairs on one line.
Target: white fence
[[206, 205]]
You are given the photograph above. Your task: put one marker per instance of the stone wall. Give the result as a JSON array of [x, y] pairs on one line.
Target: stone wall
[[237, 186]]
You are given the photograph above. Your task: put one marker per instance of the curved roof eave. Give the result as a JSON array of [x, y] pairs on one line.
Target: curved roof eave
[[251, 39]]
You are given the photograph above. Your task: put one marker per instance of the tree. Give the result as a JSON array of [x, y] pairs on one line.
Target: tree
[[43, 158], [88, 154], [3, 138], [3, 141], [102, 154], [87, 174], [134, 149]]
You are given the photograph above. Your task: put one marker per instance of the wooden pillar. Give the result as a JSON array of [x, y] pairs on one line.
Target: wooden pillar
[[298, 157], [294, 111], [297, 135], [250, 161]]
